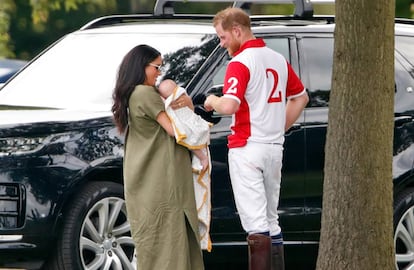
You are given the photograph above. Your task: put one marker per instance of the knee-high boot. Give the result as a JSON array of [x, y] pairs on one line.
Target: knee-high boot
[[278, 259], [259, 251]]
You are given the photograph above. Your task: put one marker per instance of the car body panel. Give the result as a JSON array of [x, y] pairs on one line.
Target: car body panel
[[56, 131]]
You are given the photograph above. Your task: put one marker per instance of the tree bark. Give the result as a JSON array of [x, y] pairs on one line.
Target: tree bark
[[357, 217], [7, 7]]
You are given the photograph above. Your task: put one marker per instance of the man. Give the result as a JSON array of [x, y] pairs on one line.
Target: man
[[265, 97]]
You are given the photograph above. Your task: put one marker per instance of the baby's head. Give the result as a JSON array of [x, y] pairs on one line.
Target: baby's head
[[166, 87]]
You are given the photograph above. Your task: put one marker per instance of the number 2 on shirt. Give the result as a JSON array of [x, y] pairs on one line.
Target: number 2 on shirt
[[233, 85], [275, 95]]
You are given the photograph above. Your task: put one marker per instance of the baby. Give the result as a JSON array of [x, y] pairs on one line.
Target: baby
[[190, 129], [193, 132]]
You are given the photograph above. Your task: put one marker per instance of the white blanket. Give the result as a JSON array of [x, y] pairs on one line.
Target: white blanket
[[193, 132]]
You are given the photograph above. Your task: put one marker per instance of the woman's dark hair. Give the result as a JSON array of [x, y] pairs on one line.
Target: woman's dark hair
[[131, 73]]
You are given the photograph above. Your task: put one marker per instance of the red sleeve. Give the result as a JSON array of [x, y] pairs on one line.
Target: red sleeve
[[236, 80], [294, 85]]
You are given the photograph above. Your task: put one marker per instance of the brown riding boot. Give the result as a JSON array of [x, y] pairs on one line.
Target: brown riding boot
[[259, 251], [278, 259]]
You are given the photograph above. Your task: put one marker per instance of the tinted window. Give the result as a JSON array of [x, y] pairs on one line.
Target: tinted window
[[281, 45], [318, 57], [404, 45], [404, 74], [87, 67]]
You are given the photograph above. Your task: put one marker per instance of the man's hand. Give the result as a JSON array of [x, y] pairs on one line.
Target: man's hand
[[208, 104], [222, 105]]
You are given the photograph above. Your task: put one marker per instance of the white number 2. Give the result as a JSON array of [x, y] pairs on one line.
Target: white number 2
[[233, 83]]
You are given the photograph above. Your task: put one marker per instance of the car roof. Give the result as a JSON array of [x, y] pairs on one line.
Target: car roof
[[185, 25], [165, 20], [155, 27]]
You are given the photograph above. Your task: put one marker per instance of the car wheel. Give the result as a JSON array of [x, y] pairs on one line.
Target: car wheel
[[96, 233], [404, 230]]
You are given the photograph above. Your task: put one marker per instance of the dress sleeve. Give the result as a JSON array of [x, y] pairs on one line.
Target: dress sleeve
[[147, 101]]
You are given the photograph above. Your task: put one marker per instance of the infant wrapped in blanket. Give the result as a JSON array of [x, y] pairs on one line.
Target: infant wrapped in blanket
[[193, 132]]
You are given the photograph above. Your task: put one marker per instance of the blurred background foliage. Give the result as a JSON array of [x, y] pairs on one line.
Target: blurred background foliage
[[29, 26]]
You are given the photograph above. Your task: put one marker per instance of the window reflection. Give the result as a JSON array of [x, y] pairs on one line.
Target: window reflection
[[279, 44], [181, 65], [404, 74], [404, 45], [79, 72], [318, 53]]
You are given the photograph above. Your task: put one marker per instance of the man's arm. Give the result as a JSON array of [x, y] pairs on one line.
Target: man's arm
[[222, 105], [294, 108]]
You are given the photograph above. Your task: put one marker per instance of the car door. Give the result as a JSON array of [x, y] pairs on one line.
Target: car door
[[225, 227], [291, 206], [316, 58], [316, 51]]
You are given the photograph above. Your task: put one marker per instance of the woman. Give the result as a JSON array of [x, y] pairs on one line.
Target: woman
[[158, 185]]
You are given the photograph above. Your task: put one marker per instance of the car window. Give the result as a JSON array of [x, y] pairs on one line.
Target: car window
[[404, 74], [318, 55], [219, 76], [279, 44], [8, 67], [404, 45], [88, 65]]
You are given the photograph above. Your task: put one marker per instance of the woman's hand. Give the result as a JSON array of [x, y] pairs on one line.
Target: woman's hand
[[182, 101]]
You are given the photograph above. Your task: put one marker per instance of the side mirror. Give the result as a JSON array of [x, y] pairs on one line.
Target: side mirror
[[199, 109], [215, 90]]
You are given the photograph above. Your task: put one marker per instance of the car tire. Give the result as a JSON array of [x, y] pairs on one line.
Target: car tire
[[404, 229], [95, 233]]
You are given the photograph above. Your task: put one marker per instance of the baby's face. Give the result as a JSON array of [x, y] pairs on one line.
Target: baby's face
[[166, 88], [164, 91]]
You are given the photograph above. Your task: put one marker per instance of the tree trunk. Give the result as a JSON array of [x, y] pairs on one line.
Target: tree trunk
[[357, 217], [7, 7]]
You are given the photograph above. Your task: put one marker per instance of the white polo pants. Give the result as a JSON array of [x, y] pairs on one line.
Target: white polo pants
[[255, 172]]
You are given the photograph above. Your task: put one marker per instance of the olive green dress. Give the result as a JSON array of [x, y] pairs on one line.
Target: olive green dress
[[159, 191]]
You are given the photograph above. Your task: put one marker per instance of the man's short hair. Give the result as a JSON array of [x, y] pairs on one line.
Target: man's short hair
[[230, 17]]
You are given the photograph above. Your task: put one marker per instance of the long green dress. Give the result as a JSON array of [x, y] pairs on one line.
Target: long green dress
[[159, 191]]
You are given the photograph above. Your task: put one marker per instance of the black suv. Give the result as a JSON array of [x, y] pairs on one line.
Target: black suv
[[61, 193]]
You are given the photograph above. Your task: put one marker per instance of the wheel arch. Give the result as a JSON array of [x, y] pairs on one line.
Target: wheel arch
[[108, 173], [402, 183]]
